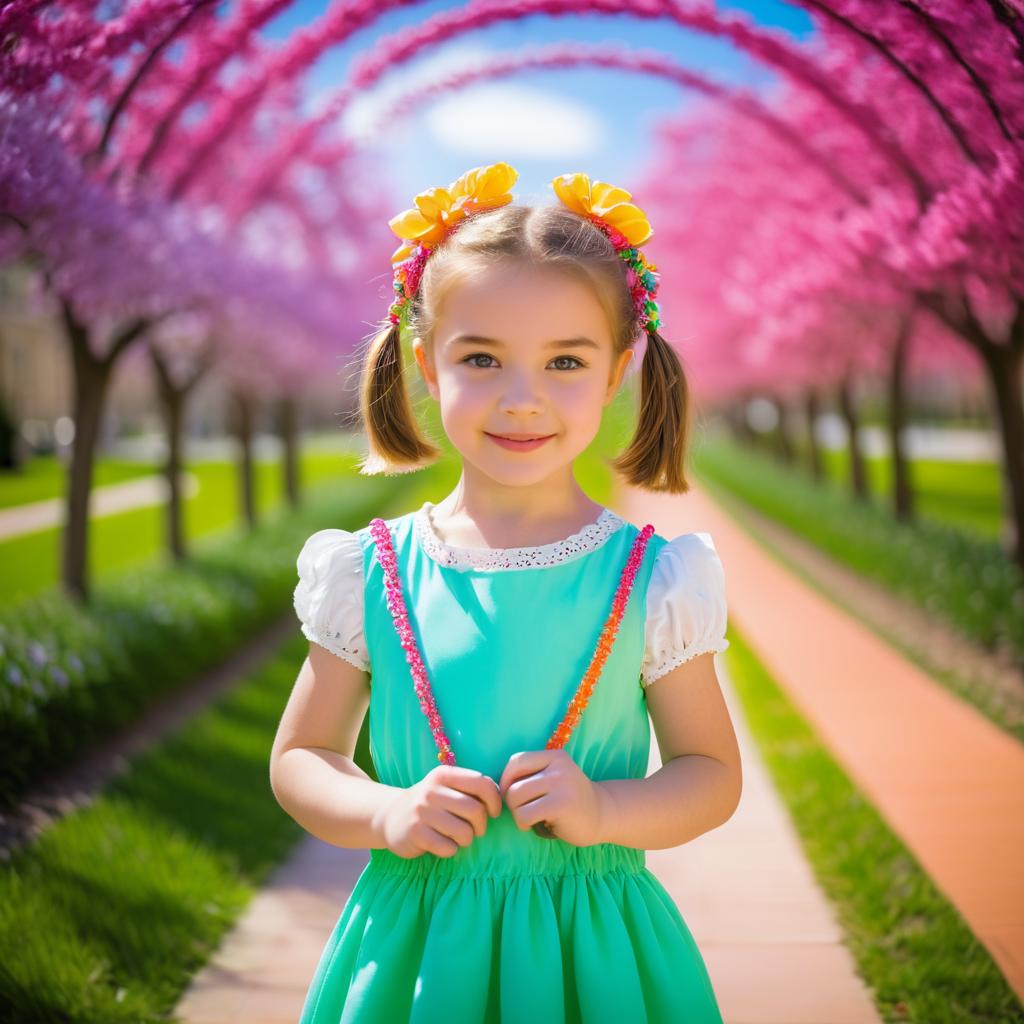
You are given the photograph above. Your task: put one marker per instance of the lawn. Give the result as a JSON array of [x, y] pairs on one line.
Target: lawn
[[44, 477], [32, 561], [962, 494]]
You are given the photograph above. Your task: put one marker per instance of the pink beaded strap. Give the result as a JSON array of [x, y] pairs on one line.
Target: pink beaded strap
[[396, 604]]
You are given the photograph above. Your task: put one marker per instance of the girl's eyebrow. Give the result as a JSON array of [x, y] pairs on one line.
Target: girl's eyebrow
[[476, 339]]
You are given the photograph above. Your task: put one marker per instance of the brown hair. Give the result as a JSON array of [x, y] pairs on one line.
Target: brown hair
[[551, 236]]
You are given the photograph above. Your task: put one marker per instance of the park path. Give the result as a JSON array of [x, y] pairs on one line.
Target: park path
[[946, 780], [769, 937], [103, 501]]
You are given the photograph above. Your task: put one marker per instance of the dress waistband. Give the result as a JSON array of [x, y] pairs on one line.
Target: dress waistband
[[546, 857]]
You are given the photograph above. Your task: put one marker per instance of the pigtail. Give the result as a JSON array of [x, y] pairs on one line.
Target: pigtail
[[395, 442], [655, 457]]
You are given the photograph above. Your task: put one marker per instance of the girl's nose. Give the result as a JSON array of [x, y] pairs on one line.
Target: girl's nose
[[521, 394]]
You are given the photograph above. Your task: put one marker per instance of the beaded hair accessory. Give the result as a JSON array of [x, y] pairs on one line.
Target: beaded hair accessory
[[626, 226], [439, 211]]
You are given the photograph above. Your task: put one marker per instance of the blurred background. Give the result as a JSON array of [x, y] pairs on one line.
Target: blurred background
[[194, 251]]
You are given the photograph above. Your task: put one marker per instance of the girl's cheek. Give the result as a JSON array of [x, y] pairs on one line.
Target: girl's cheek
[[583, 392], [458, 387]]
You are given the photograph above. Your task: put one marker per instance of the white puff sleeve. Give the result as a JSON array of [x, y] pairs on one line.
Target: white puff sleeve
[[329, 596], [686, 609]]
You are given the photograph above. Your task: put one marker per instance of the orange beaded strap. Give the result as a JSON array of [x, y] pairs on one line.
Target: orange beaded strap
[[396, 605]]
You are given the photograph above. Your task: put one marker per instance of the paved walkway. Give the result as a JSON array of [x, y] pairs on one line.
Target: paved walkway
[[771, 942], [947, 781], [103, 501]]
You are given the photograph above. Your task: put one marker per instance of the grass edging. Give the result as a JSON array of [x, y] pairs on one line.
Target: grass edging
[[911, 945], [110, 912]]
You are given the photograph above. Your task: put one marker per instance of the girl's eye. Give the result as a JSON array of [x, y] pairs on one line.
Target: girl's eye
[[578, 362], [478, 355], [487, 355]]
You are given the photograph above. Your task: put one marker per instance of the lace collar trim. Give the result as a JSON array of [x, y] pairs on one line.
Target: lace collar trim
[[589, 537]]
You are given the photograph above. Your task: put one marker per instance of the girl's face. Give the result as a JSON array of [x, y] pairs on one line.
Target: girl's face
[[518, 350]]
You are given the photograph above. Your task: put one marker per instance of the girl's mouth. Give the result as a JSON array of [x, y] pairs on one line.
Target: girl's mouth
[[519, 446]]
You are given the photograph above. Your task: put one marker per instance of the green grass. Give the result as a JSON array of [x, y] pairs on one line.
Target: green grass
[[109, 913], [45, 477], [910, 944], [32, 561], [962, 494]]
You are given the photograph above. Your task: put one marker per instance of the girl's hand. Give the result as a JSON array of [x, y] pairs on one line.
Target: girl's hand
[[441, 813], [548, 786]]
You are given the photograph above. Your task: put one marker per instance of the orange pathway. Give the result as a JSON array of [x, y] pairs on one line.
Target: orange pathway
[[947, 781]]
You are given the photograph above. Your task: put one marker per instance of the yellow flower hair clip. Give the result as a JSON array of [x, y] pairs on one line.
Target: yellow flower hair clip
[[438, 211], [626, 226]]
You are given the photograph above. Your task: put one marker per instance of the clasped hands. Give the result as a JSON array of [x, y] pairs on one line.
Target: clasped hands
[[450, 806]]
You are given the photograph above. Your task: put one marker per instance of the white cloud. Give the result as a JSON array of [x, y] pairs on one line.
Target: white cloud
[[504, 117], [362, 118], [515, 121]]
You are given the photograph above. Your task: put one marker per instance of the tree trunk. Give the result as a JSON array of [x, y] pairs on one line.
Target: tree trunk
[[848, 408], [734, 416], [288, 425], [91, 382], [244, 416], [902, 492], [752, 436], [174, 402], [784, 440], [813, 449], [174, 409], [1005, 363], [11, 445]]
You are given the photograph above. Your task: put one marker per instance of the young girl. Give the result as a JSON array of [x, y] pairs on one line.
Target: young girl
[[511, 641]]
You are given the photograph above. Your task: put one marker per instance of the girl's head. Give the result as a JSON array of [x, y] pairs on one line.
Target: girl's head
[[523, 322]]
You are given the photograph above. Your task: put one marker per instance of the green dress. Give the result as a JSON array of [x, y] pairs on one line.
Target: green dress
[[515, 927]]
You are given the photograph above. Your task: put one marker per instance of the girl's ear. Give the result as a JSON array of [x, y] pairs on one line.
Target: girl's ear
[[618, 371], [427, 369]]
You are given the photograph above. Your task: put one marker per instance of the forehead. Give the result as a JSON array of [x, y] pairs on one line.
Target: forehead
[[523, 304]]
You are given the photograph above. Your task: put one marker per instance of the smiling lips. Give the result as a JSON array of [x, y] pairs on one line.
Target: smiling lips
[[519, 442]]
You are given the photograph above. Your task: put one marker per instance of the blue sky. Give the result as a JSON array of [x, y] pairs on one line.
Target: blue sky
[[542, 122]]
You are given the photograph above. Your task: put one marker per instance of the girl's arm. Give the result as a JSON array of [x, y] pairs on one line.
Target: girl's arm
[[312, 773], [699, 784]]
